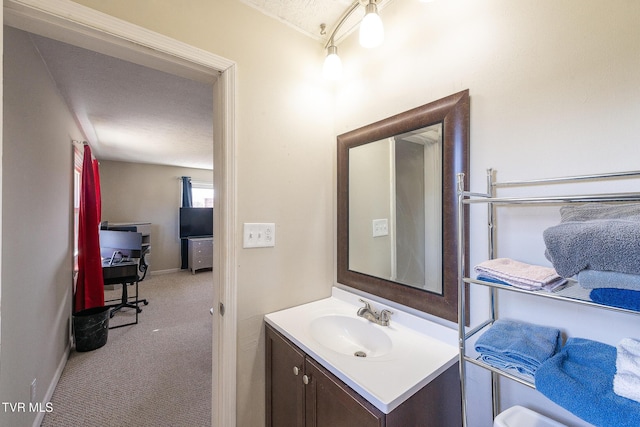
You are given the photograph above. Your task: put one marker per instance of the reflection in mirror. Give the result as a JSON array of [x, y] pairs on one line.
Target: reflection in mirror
[[397, 206], [395, 215]]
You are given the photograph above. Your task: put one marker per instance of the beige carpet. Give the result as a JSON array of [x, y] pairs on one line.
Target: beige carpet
[[155, 373]]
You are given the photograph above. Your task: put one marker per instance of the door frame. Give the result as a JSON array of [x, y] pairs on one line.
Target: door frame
[[73, 23]]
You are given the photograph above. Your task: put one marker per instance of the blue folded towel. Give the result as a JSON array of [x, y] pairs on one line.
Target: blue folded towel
[[591, 279], [622, 298], [580, 379], [603, 244], [521, 346], [490, 279]]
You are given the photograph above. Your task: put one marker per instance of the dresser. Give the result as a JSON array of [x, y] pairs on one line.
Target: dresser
[[200, 253]]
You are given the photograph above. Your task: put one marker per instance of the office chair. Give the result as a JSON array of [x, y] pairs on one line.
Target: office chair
[[121, 252]]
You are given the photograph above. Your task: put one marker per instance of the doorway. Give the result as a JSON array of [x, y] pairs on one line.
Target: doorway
[[81, 26]]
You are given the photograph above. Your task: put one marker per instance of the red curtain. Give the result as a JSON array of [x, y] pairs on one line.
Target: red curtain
[[90, 286]]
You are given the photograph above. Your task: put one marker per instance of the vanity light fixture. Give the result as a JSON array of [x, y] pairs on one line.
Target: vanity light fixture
[[371, 28], [332, 68], [371, 35]]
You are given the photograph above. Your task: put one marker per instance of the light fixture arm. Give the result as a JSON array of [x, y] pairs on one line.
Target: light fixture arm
[[342, 20]]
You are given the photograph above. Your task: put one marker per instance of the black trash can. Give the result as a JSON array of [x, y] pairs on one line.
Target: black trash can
[[91, 328]]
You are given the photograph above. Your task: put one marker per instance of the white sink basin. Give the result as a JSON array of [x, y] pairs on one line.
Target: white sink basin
[[400, 358], [352, 336]]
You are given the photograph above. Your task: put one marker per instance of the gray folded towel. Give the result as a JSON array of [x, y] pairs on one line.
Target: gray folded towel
[[591, 211], [603, 244]]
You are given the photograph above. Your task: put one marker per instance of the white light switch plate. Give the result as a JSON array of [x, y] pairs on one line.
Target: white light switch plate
[[380, 227], [259, 235]]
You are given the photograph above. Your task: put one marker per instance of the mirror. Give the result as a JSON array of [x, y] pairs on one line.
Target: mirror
[[397, 205], [395, 220]]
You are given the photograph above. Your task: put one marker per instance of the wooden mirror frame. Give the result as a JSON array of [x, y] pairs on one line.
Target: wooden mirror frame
[[453, 112]]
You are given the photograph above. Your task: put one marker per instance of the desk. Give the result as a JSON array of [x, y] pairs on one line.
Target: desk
[[144, 228], [123, 273]]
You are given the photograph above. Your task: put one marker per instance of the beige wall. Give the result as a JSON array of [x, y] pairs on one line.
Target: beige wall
[[135, 192], [555, 90], [37, 227]]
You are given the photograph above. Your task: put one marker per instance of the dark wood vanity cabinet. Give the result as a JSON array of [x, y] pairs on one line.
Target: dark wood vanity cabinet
[[331, 403], [285, 390], [302, 393]]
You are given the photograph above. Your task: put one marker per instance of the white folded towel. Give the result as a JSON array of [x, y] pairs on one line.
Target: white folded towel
[[519, 274], [626, 382]]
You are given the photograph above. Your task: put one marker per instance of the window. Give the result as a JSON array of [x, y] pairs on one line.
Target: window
[[77, 174], [202, 194]]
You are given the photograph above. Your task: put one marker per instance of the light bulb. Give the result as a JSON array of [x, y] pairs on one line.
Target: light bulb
[[332, 68], [371, 28]]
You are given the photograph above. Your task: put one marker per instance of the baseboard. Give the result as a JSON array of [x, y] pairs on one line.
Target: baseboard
[[151, 273], [53, 385], [169, 271]]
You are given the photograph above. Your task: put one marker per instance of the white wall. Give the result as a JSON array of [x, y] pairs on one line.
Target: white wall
[[555, 91], [150, 193], [37, 228]]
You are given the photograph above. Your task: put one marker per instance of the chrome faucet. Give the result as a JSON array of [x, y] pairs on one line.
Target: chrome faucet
[[381, 318]]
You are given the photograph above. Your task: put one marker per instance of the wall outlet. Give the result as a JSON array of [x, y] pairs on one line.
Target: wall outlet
[[33, 391], [259, 235]]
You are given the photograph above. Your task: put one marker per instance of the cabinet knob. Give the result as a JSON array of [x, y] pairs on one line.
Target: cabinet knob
[[296, 370], [306, 379]]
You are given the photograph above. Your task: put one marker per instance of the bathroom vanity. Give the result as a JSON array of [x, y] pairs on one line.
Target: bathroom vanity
[[326, 366], [360, 357]]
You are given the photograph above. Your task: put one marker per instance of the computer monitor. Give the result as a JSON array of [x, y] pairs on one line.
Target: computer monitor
[[129, 243]]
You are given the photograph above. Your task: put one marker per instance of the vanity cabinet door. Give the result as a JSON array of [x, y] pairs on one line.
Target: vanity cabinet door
[[302, 393], [331, 403], [284, 387]]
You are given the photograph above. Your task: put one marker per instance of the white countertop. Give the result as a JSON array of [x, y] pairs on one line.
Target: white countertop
[[421, 350]]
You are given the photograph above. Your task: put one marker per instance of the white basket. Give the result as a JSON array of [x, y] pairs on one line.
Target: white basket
[[519, 416]]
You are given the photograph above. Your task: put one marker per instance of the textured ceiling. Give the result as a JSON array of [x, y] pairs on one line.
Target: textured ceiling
[[304, 15], [133, 113], [307, 15]]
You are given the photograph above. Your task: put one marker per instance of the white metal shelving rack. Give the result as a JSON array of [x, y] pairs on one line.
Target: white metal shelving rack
[[492, 201]]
